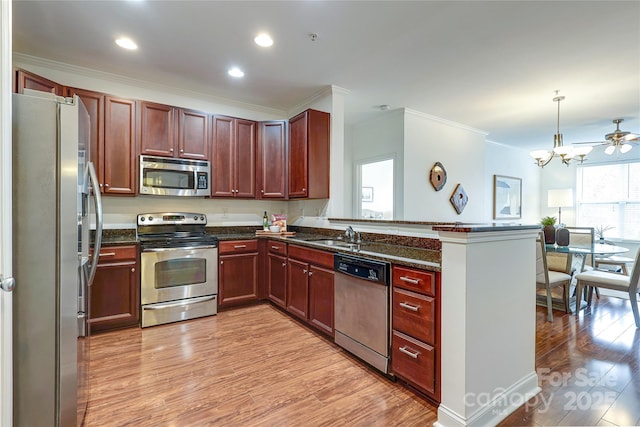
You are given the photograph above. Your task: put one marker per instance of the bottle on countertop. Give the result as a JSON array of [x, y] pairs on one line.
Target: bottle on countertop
[[265, 222]]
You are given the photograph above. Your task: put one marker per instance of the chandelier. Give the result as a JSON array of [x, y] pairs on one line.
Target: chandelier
[[564, 153]]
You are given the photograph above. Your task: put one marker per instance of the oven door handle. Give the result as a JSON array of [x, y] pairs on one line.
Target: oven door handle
[[185, 248], [179, 304]]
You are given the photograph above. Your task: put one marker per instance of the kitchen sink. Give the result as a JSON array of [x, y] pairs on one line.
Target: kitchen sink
[[335, 242]]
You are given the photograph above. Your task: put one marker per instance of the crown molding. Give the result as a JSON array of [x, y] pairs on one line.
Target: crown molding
[[115, 78], [445, 121]]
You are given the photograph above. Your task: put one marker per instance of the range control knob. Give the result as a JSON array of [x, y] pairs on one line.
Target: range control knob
[[150, 218], [142, 218], [202, 218], [195, 218]]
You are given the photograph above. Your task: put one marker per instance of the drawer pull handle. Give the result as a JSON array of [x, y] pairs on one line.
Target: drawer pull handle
[[409, 353], [409, 306], [410, 280], [239, 246], [107, 254], [277, 248]]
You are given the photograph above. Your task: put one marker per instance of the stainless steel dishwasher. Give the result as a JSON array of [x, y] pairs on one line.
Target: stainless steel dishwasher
[[362, 316]]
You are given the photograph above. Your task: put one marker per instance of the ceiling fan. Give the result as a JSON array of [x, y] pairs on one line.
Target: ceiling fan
[[619, 140]]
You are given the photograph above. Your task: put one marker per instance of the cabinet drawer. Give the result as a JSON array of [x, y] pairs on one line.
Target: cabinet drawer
[[312, 256], [276, 247], [414, 314], [414, 361], [415, 280], [238, 246], [117, 253]]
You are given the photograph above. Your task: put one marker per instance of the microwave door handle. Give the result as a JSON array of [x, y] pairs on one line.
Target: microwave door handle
[[97, 200]]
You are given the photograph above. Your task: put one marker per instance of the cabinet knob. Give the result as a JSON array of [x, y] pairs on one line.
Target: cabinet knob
[[262, 191], [133, 270], [181, 150], [171, 150], [304, 189], [101, 185], [284, 264], [304, 271], [106, 186], [221, 262], [310, 273]]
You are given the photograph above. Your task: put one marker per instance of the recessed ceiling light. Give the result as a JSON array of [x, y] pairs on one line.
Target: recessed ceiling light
[[126, 43], [263, 40], [236, 72]]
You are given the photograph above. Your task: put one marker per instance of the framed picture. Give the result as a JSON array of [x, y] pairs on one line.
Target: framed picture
[[367, 194], [507, 197]]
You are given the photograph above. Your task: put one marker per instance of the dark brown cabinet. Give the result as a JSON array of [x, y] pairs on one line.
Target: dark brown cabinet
[[157, 131], [308, 155], [238, 273], [271, 164], [27, 80], [173, 132], [415, 354], [233, 158], [94, 103], [310, 286], [276, 269], [115, 293], [119, 162]]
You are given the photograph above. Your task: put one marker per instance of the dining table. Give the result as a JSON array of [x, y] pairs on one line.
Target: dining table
[[579, 255]]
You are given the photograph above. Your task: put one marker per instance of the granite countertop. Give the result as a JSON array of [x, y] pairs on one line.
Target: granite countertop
[[403, 250]]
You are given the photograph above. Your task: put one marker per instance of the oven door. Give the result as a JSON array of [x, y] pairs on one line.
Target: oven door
[[169, 274]]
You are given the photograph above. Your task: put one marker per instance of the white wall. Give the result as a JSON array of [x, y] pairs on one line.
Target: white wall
[[461, 151], [509, 161]]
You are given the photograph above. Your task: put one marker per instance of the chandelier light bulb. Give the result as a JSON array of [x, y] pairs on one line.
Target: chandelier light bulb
[[624, 148], [610, 149]]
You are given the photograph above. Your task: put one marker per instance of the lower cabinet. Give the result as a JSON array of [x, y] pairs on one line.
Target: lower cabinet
[[115, 292], [238, 272], [277, 272], [415, 313], [310, 286]]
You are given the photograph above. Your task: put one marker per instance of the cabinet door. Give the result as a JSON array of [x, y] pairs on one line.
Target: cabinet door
[[119, 146], [157, 129], [298, 288], [94, 103], [297, 159], [318, 154], [277, 279], [193, 135], [238, 279], [26, 80], [114, 296], [222, 157], [321, 298], [245, 158], [272, 154]]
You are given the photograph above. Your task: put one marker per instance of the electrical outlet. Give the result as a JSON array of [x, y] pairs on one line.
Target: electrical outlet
[[225, 212]]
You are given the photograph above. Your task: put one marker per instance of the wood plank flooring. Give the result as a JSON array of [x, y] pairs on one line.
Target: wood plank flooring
[[256, 366]]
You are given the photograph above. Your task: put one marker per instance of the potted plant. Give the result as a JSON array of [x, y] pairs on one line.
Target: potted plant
[[549, 229]]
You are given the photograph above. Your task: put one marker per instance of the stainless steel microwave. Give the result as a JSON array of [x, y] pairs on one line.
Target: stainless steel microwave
[[163, 176]]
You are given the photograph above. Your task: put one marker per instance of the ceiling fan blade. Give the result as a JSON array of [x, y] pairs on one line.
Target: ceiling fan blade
[[594, 143]]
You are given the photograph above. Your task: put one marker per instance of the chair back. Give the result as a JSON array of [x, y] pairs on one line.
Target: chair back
[[582, 237], [635, 276], [541, 261]]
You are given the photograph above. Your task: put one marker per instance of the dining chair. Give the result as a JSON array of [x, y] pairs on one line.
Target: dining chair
[[582, 237], [603, 279], [615, 260], [547, 279]]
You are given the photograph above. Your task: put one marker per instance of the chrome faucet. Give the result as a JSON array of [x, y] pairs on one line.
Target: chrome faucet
[[349, 233]]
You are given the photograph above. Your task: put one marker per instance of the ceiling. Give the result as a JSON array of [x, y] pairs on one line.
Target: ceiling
[[490, 65]]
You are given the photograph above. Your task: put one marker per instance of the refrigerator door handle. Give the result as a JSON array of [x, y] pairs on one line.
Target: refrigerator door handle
[[97, 200]]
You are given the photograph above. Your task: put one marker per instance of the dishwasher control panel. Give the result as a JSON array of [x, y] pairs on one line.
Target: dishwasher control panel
[[366, 269]]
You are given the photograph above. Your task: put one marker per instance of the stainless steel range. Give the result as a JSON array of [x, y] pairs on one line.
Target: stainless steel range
[[178, 267]]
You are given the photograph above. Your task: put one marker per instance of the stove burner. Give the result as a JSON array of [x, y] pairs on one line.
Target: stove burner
[[173, 230]]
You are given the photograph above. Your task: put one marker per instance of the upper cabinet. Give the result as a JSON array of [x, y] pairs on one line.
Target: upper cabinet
[[272, 154], [233, 157], [113, 140], [119, 146], [308, 160], [173, 132], [26, 80]]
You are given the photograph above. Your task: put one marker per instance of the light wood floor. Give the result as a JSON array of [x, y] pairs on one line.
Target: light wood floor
[[250, 366], [256, 366]]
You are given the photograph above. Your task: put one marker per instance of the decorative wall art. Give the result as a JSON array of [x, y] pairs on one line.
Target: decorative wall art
[[507, 197], [438, 176], [459, 199], [367, 194]]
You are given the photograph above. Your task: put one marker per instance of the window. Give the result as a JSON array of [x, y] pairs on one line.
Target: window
[[374, 189], [609, 195]]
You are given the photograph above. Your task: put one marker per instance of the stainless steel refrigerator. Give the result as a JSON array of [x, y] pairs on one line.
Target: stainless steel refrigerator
[[52, 177]]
